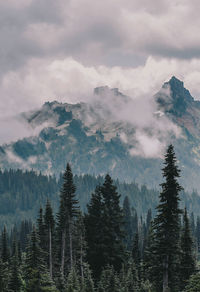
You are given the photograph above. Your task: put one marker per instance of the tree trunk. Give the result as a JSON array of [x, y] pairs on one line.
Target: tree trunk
[[63, 252], [165, 273]]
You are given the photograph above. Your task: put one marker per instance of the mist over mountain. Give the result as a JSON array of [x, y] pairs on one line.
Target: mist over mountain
[[112, 133]]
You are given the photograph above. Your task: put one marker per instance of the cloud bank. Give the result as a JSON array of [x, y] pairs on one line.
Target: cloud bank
[[63, 49]]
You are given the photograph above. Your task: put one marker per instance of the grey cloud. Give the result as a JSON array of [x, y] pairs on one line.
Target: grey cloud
[[92, 32]]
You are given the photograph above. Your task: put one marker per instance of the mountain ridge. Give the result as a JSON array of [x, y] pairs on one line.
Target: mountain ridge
[[95, 139]]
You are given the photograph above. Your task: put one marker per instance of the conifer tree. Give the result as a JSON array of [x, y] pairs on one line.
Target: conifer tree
[[104, 228], [198, 234], [73, 281], [41, 229], [36, 275], [113, 224], [87, 283], [109, 281], [5, 253], [67, 212], [15, 283], [136, 250], [128, 226], [167, 224], [4, 273], [49, 226], [80, 245], [94, 232], [187, 262], [34, 266]]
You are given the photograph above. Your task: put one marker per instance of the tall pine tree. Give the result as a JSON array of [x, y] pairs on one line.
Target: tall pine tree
[[67, 213], [167, 224]]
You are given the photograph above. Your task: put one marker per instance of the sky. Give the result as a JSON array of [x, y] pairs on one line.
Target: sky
[[61, 50]]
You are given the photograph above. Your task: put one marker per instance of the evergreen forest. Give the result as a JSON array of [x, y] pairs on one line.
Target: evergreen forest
[[94, 234]]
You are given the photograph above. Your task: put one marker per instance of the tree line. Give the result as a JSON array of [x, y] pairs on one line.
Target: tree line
[[106, 249]]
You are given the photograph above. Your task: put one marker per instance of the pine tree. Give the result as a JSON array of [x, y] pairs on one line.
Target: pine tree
[[187, 262], [41, 229], [193, 284], [113, 222], [136, 251], [34, 266], [5, 253], [94, 232], [73, 281], [128, 228], [67, 213], [4, 273], [49, 226], [198, 234], [104, 228], [109, 281], [15, 283], [167, 223], [80, 244], [87, 283], [36, 275]]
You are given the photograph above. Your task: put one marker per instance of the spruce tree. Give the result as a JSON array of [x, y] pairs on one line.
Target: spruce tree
[[15, 283], [198, 234], [167, 224], [94, 232], [80, 244], [187, 262], [109, 281], [128, 226], [34, 265], [5, 253], [41, 228], [104, 228], [113, 225], [49, 224], [68, 210], [73, 281], [136, 250]]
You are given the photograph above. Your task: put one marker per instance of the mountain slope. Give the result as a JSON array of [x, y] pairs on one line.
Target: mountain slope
[[107, 135]]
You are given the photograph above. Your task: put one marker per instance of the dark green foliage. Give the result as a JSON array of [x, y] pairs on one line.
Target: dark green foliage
[[193, 284], [5, 253], [94, 232], [167, 224], [198, 233], [136, 251], [73, 281], [22, 194], [129, 280], [87, 283], [109, 281], [187, 260], [66, 216], [49, 224], [128, 223], [104, 228], [41, 229], [4, 274], [15, 283]]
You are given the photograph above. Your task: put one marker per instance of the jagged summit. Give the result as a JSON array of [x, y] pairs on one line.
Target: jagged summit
[[174, 98]]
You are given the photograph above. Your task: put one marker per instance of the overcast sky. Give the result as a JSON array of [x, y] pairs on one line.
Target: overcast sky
[[62, 49]]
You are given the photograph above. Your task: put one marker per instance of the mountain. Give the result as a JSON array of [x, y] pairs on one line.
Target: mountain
[[113, 133]]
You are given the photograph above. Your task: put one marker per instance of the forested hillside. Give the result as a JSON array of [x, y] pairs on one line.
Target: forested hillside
[[23, 192], [110, 248]]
